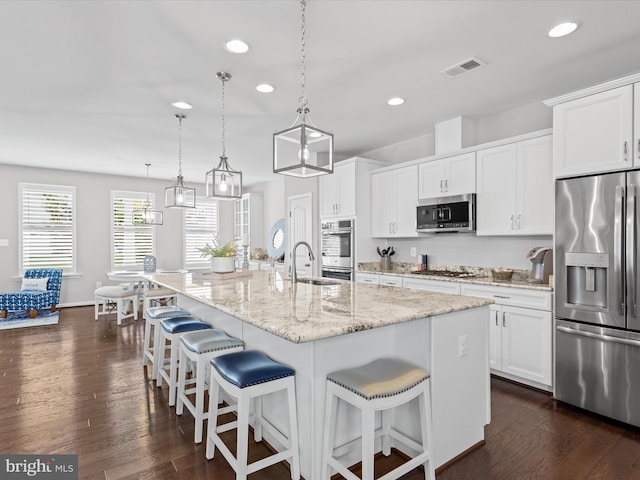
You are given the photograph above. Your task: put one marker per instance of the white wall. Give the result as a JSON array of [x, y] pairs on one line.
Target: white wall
[[273, 203], [93, 229]]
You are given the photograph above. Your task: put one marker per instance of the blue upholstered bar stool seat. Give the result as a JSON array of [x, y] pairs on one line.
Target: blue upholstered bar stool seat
[[152, 317], [380, 385], [247, 375], [171, 329], [199, 348]]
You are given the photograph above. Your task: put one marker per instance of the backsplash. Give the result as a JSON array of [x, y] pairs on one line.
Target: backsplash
[[407, 267]]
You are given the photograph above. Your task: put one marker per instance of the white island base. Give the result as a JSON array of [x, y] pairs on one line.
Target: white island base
[[452, 346]]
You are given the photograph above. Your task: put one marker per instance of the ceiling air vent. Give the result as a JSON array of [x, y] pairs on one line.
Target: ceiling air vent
[[462, 67]]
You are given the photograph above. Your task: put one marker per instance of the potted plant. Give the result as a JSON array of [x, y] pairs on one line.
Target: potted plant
[[223, 255]]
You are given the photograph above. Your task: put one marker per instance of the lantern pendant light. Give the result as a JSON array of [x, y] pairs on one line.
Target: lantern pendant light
[[147, 216], [222, 182], [303, 150], [177, 195]]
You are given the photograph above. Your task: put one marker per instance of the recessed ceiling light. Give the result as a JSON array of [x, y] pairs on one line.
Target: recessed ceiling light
[[236, 46], [562, 29], [182, 105], [264, 88], [315, 134], [395, 101]]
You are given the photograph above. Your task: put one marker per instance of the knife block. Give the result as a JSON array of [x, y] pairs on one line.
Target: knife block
[[386, 263]]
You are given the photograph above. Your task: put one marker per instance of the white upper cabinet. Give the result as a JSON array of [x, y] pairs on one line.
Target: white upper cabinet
[[515, 189], [448, 176], [394, 195], [595, 133], [338, 191]]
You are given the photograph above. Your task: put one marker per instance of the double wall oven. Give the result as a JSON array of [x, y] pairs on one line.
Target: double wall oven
[[337, 243]]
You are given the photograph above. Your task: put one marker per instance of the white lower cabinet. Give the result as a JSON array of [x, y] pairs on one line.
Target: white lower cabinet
[[520, 338], [371, 278], [431, 285]]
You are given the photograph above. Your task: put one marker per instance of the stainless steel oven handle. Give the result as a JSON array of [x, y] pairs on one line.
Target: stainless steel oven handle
[[597, 336]]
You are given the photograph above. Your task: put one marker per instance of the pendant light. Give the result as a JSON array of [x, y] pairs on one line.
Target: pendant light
[[146, 215], [222, 182], [177, 195], [303, 150]]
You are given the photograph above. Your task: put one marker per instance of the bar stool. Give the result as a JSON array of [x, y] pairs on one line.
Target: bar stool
[[380, 385], [158, 296], [199, 348], [116, 298], [171, 330], [247, 375], [152, 317]]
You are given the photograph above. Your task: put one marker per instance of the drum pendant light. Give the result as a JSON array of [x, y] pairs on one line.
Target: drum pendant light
[[146, 215], [177, 195], [303, 150], [222, 182]]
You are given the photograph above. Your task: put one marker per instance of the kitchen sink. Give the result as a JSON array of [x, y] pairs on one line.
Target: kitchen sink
[[318, 281]]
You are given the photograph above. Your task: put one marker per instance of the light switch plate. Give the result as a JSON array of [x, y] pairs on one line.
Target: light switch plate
[[4, 242]]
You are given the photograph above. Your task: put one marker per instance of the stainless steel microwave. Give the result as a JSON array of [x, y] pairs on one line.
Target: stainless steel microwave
[[447, 214]]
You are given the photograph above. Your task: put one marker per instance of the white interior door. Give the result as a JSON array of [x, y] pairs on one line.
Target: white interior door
[[301, 228]]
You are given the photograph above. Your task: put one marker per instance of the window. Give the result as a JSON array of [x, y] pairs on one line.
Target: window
[[47, 227], [200, 227], [129, 243]]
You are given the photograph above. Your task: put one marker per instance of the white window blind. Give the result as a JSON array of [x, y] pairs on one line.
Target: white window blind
[[47, 226], [200, 227], [129, 243]]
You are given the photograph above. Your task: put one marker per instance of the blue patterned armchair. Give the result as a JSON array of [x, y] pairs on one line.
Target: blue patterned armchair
[[33, 300]]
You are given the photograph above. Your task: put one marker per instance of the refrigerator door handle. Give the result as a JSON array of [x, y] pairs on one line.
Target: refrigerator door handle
[[618, 249], [631, 251], [598, 336]]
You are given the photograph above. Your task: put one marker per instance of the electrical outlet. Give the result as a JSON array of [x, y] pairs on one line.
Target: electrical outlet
[[463, 349], [98, 284], [413, 251]]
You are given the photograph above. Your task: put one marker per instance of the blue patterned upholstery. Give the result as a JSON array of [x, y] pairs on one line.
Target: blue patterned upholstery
[[34, 300]]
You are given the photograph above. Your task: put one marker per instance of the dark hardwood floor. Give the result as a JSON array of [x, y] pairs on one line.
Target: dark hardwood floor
[[79, 387]]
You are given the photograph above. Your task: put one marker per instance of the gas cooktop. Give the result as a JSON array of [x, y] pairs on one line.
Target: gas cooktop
[[446, 273]]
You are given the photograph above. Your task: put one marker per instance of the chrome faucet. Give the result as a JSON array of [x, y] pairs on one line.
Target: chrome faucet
[[294, 273]]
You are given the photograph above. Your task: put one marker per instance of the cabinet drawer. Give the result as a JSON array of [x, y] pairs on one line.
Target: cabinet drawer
[[516, 297], [372, 278], [390, 281], [432, 285]]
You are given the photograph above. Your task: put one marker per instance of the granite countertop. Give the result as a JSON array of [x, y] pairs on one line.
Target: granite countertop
[[482, 275], [304, 313]]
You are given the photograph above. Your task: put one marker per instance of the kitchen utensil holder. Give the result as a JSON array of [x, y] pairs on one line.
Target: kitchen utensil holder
[[386, 264]]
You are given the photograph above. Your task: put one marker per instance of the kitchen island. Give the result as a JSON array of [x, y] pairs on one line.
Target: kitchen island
[[321, 328]]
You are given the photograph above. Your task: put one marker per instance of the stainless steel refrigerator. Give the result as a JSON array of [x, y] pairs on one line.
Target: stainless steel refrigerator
[[596, 296]]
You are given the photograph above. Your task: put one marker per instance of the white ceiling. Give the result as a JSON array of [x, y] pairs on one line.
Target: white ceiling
[[89, 85]]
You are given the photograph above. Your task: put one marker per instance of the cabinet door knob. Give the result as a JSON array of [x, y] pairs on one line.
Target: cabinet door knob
[[519, 221], [446, 185], [441, 189], [504, 320], [497, 323], [512, 222]]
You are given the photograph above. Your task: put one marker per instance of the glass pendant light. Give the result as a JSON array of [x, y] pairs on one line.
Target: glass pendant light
[[303, 150], [177, 195], [222, 182], [146, 215]]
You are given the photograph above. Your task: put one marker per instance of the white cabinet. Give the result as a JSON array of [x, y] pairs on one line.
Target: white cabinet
[[595, 133], [520, 343], [515, 188], [390, 281], [448, 176], [394, 195], [338, 191], [247, 213], [520, 337], [371, 278], [431, 285]]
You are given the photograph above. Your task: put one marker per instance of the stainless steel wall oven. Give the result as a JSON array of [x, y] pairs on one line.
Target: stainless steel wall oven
[[337, 249]]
